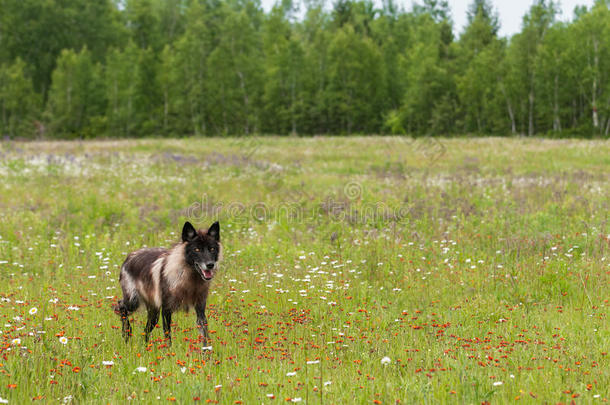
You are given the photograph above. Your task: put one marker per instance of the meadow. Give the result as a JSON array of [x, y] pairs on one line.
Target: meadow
[[356, 270]]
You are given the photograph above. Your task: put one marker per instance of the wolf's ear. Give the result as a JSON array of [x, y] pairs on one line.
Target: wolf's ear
[[214, 231], [188, 232]]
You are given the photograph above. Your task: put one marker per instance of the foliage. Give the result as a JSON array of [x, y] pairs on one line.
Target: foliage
[[18, 102], [76, 100], [182, 67]]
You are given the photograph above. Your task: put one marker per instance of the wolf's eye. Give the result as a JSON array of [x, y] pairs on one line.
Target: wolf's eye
[[196, 249], [213, 249]]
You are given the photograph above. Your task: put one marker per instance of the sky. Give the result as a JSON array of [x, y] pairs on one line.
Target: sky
[[511, 12]]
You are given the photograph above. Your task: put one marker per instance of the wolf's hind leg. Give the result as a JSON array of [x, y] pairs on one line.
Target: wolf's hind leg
[[153, 318], [167, 325]]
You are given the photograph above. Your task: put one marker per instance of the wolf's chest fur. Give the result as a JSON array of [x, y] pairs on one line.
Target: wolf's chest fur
[[183, 291]]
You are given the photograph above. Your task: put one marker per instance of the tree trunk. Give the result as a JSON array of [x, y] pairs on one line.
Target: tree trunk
[[556, 119], [513, 125], [242, 85], [595, 70], [194, 122], [129, 112], [224, 112], [292, 102], [511, 114], [165, 108], [531, 97], [574, 112], [3, 116], [201, 112], [322, 119], [191, 100], [69, 97]]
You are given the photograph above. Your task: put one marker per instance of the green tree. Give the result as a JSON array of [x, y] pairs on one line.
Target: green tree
[[556, 80], [37, 31], [207, 67], [437, 9], [483, 10], [429, 103], [143, 22], [284, 63], [172, 19], [190, 103], [355, 82], [524, 54], [481, 92], [316, 33], [77, 97], [171, 91], [148, 98], [121, 77], [18, 102], [480, 54], [482, 29], [235, 92], [591, 53]]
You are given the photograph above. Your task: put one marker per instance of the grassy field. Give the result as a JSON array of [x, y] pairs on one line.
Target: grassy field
[[356, 270]]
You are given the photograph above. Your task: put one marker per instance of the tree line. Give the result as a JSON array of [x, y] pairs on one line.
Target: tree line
[[128, 68]]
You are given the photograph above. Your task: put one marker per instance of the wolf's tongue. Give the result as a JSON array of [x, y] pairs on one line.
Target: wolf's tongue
[[207, 274]]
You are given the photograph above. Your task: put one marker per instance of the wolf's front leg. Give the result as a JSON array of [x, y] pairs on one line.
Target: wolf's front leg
[[202, 322], [125, 307], [167, 324]]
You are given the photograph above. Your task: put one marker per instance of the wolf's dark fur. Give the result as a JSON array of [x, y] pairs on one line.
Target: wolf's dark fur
[[167, 280]]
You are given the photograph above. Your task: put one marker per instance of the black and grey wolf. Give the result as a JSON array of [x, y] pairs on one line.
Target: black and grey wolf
[[167, 280]]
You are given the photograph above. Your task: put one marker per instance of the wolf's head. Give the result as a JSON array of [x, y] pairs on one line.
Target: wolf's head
[[203, 249]]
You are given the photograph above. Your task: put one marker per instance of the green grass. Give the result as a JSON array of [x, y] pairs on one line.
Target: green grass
[[480, 267]]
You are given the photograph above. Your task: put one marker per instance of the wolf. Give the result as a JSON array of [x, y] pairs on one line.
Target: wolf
[[168, 280]]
